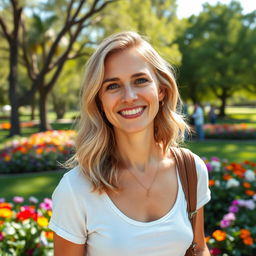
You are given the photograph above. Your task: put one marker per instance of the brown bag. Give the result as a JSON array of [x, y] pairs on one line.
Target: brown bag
[[188, 177]]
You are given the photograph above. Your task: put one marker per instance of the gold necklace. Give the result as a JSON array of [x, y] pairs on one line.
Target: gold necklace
[[140, 183]]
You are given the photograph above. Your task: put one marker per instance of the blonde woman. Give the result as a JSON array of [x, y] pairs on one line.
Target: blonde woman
[[124, 197]]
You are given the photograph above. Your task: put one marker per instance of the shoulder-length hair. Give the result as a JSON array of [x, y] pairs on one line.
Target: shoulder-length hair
[[95, 144]]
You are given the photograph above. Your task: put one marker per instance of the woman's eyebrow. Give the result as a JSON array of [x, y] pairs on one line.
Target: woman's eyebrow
[[139, 74], [113, 79]]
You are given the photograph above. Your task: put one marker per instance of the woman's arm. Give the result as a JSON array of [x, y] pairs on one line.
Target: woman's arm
[[202, 249], [63, 247]]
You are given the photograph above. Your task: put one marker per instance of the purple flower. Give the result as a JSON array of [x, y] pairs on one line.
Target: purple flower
[[241, 202], [209, 167], [229, 216], [214, 158], [18, 199], [249, 204], [33, 200], [225, 223], [233, 208], [2, 200], [254, 197], [235, 202], [47, 204]]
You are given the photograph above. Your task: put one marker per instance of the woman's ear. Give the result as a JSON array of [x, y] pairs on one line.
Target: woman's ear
[[161, 93]]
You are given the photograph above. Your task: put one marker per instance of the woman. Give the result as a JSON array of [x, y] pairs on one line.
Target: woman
[[125, 196]]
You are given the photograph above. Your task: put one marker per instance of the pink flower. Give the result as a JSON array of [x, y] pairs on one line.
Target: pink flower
[[18, 199], [1, 236], [215, 251], [225, 223], [2, 200], [229, 216], [47, 204]]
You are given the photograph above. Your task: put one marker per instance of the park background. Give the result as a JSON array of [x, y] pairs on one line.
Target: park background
[[43, 48]]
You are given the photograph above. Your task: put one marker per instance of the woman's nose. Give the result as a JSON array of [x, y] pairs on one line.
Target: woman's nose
[[130, 94]]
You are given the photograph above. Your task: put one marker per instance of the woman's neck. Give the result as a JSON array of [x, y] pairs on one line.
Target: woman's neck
[[137, 150]]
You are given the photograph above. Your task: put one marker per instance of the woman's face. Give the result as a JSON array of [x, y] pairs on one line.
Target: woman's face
[[130, 93]]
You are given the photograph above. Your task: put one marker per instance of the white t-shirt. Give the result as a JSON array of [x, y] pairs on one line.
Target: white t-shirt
[[82, 216]]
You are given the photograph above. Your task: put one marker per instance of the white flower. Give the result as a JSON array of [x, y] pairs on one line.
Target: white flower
[[217, 183], [232, 183], [249, 175], [216, 165]]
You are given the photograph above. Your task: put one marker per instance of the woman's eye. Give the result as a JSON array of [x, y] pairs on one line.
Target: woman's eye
[[141, 80], [112, 86]]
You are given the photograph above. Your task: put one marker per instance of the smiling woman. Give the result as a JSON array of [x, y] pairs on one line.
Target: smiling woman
[[125, 176]]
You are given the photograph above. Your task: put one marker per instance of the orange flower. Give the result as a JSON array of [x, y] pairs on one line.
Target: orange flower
[[248, 240], [219, 235], [207, 239], [7, 158], [229, 168], [244, 233], [48, 235], [211, 183], [5, 205], [39, 151], [246, 184], [249, 192], [227, 177]]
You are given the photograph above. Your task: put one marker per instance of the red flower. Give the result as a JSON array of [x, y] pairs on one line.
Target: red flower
[[27, 213], [215, 251]]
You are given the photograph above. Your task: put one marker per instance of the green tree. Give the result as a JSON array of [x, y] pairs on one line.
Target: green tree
[[45, 69], [214, 52], [155, 19]]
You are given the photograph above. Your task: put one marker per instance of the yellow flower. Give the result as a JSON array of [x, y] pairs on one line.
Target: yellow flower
[[42, 221], [5, 213], [49, 213]]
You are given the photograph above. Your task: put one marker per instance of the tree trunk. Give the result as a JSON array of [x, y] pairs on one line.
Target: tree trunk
[[223, 99], [44, 125], [13, 78], [33, 108]]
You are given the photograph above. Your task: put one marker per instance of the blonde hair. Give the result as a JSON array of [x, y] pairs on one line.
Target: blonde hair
[[95, 143]]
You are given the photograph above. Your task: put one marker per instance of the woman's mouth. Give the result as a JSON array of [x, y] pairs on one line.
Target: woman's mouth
[[132, 112]]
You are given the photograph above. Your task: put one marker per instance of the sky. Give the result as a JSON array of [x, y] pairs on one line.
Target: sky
[[187, 8]]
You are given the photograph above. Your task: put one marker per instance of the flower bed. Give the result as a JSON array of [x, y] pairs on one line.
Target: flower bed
[[231, 215], [23, 227], [39, 152], [229, 131]]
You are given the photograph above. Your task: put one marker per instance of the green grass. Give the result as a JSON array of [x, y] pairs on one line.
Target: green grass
[[40, 185], [233, 151]]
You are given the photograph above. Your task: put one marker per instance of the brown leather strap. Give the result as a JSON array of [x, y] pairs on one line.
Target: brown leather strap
[[188, 176]]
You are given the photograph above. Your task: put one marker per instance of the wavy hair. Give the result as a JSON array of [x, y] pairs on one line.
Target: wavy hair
[[95, 143]]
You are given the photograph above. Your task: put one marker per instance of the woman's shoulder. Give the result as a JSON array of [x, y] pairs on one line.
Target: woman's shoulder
[[74, 181]]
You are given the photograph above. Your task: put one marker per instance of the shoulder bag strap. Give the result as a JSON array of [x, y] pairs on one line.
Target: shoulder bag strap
[[188, 177]]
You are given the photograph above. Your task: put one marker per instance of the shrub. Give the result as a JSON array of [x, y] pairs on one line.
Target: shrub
[[231, 212], [23, 227], [39, 152]]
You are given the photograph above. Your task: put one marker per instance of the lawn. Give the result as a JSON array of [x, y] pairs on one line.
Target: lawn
[[42, 185]]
